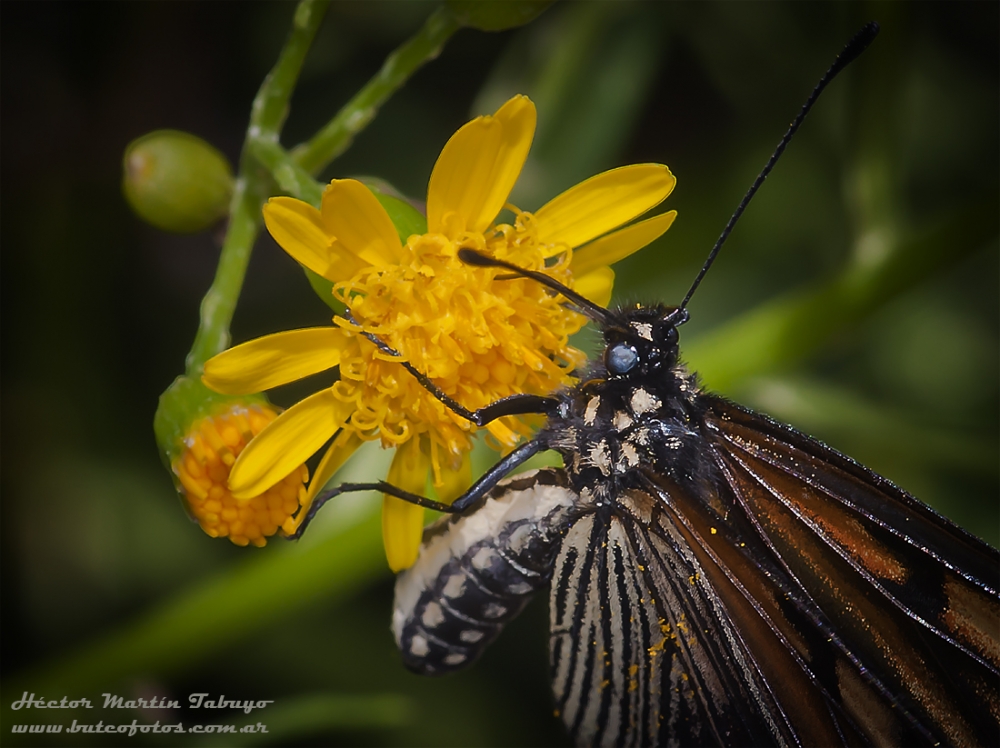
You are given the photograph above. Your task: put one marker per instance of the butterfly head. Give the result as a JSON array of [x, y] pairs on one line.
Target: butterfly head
[[642, 340]]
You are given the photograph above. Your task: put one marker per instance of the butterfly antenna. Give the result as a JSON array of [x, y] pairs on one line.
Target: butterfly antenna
[[858, 44], [597, 313]]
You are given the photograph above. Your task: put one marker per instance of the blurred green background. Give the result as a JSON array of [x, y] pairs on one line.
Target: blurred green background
[[857, 299]]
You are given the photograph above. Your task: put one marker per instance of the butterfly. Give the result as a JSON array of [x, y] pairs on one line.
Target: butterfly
[[715, 577]]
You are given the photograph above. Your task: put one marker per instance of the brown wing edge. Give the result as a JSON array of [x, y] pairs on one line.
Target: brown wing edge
[[834, 504]]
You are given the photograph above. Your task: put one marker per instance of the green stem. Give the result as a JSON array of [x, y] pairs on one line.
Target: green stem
[[291, 177], [267, 114], [337, 134], [270, 106], [219, 302]]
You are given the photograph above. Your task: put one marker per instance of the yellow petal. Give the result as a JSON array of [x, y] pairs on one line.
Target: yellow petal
[[596, 285], [339, 452], [403, 522], [287, 442], [502, 432], [456, 481], [298, 229], [617, 246], [344, 445], [477, 169], [359, 224], [602, 203], [274, 360]]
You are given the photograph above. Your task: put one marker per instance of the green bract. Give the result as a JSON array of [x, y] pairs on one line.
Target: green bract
[[176, 181], [188, 400]]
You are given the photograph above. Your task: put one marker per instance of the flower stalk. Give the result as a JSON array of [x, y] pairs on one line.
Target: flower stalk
[[267, 115], [219, 302], [264, 161], [290, 177], [335, 137], [187, 408]]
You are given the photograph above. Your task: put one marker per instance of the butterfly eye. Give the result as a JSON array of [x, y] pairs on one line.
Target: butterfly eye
[[620, 358]]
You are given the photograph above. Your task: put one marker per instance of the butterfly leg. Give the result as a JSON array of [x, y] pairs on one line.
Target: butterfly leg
[[477, 491], [514, 405]]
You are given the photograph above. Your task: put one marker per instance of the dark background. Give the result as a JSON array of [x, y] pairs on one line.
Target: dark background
[[100, 309]]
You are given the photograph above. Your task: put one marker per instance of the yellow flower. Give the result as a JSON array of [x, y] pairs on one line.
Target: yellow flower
[[202, 467], [478, 334]]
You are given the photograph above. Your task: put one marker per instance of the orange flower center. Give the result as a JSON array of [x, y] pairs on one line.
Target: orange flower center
[[479, 334], [211, 448]]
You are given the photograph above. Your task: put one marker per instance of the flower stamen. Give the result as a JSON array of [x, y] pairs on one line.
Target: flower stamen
[[202, 469]]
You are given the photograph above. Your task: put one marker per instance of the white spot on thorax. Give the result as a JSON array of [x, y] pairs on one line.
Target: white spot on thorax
[[630, 454], [622, 420], [643, 401], [645, 330], [590, 414], [600, 457]]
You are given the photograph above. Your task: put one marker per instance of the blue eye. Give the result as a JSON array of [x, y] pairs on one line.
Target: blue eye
[[620, 358]]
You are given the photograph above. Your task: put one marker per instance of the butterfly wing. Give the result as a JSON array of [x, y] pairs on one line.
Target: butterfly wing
[[910, 598], [642, 651], [800, 600]]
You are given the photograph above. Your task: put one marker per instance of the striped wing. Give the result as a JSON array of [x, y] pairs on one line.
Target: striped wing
[[642, 651], [801, 601], [909, 600]]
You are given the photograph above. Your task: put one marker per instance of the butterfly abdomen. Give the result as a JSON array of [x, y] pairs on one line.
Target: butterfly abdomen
[[477, 571]]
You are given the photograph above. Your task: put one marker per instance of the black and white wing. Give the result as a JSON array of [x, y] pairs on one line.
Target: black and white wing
[[643, 650]]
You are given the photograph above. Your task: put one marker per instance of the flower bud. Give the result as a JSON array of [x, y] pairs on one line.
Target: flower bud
[[176, 181], [200, 434], [496, 15]]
